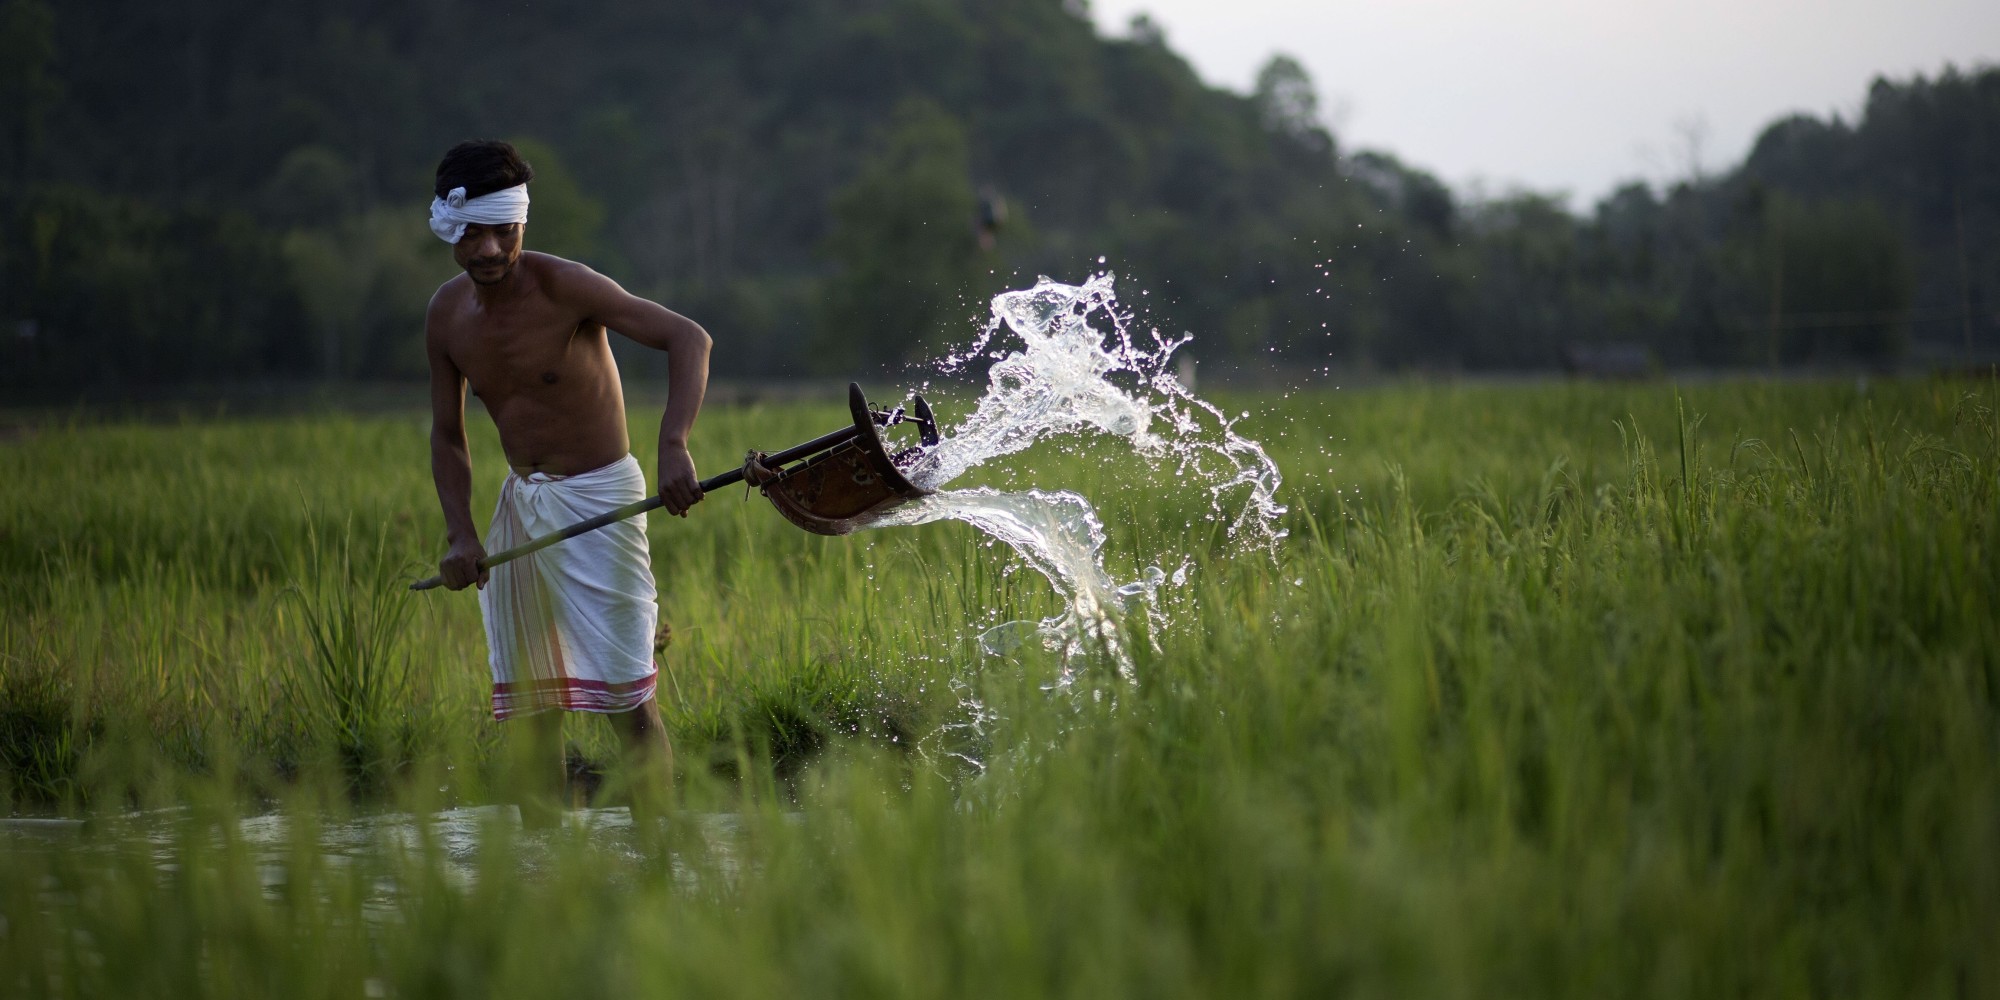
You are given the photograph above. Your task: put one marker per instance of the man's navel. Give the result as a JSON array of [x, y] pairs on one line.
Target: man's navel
[[548, 378]]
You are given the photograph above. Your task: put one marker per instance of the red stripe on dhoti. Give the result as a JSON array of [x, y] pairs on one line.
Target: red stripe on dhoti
[[527, 697]]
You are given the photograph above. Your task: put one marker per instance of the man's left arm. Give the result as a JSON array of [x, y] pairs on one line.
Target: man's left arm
[[687, 347]]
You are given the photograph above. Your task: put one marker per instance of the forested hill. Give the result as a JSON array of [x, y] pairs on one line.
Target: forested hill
[[224, 189]]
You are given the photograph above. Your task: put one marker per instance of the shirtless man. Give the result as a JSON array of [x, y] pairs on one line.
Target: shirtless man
[[572, 626]]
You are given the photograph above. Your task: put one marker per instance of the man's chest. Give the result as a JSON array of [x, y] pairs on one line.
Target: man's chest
[[500, 354]]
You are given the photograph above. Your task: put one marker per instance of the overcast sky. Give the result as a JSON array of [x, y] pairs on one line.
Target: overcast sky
[[1570, 95]]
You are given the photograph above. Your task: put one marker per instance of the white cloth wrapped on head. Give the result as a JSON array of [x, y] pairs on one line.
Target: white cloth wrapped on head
[[571, 626], [451, 213]]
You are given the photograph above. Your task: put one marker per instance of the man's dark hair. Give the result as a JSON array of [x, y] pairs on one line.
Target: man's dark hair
[[481, 167]]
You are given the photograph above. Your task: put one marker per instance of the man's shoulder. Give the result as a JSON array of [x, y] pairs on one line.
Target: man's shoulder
[[553, 272], [540, 259], [567, 282], [443, 315], [454, 290]]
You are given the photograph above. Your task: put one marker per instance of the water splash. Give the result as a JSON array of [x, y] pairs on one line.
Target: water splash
[[1079, 370], [1061, 537]]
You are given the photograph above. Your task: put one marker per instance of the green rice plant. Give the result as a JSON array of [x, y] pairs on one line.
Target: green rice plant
[[354, 692], [1552, 690], [40, 746]]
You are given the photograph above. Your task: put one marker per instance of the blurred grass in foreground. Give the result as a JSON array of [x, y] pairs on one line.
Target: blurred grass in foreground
[[1558, 690]]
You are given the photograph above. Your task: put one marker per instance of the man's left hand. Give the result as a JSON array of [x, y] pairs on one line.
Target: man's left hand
[[678, 485]]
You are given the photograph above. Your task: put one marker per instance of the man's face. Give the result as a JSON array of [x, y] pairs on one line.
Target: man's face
[[488, 252]]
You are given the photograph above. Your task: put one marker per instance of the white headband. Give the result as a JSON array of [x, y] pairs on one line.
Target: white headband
[[450, 213]]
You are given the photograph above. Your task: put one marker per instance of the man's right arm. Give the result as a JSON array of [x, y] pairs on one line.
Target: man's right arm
[[451, 465]]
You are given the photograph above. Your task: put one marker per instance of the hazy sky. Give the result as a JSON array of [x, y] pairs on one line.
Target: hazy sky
[[1572, 95]]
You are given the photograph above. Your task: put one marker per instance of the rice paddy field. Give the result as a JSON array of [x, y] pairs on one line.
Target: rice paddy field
[[1552, 690]]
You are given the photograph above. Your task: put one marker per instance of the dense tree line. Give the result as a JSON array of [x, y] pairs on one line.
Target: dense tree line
[[224, 189]]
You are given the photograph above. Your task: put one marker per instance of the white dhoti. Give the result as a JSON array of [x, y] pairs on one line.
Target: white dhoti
[[571, 626]]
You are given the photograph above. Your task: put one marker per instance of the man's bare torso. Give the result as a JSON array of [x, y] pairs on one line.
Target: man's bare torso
[[543, 369]]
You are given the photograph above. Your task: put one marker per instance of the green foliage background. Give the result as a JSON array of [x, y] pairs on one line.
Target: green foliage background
[[225, 190]]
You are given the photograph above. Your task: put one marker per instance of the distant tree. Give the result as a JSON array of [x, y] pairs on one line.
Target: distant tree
[[1634, 279], [364, 281], [312, 185], [29, 87], [563, 220], [1287, 105], [1528, 283], [1410, 193], [1926, 153], [118, 292], [1839, 278], [902, 246], [1143, 30], [1805, 155]]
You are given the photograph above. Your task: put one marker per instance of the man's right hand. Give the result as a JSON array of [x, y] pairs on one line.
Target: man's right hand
[[460, 566], [678, 485]]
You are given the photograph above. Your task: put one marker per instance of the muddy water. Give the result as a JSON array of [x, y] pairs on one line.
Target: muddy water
[[461, 840]]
